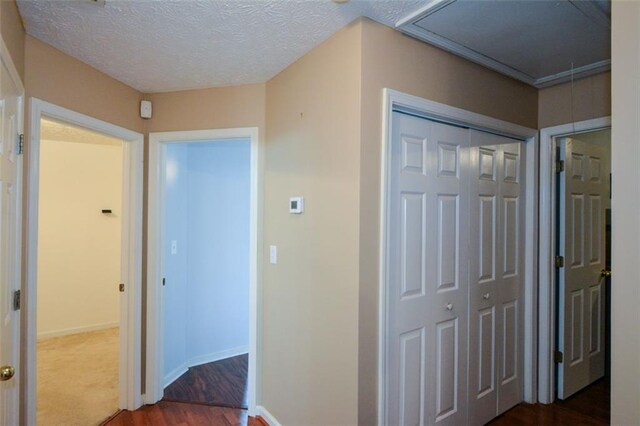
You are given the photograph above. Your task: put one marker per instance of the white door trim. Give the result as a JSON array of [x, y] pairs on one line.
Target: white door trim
[[157, 144], [5, 56], [393, 100], [546, 270], [131, 272]]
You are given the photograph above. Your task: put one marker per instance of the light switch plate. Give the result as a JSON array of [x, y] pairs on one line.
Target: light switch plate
[[273, 255]]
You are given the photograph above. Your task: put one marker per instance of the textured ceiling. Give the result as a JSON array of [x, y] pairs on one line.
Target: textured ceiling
[[162, 45]]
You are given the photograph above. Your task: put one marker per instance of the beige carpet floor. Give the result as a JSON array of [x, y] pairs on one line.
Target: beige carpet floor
[[77, 379]]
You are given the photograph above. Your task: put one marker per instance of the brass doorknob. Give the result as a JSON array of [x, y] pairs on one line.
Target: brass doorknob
[[6, 373], [605, 273]]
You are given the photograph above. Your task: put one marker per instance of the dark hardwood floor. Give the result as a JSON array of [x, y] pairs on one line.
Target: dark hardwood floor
[[179, 413], [589, 407], [222, 383]]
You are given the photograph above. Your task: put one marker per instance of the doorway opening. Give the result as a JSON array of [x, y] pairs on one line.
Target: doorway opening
[[202, 285], [79, 257], [575, 268], [206, 272], [84, 255]]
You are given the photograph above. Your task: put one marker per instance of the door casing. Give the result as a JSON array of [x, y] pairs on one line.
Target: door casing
[[394, 100], [15, 340], [129, 387], [546, 270], [154, 358]]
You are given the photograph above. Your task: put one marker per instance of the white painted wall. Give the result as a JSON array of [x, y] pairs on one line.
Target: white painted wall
[[206, 297], [175, 266], [78, 245], [625, 162]]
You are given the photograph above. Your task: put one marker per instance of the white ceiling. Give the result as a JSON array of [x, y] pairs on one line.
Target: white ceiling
[[166, 45], [161, 45], [538, 42]]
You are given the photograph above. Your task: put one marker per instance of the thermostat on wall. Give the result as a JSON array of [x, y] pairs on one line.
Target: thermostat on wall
[[296, 205]]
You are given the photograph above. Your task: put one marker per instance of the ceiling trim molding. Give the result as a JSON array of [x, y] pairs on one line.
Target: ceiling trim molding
[[593, 12], [563, 77], [408, 26], [426, 10], [459, 50]]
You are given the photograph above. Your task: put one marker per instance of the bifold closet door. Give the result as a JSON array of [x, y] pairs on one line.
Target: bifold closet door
[[428, 274], [497, 204]]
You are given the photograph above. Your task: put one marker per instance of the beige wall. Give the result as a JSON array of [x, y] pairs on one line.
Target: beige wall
[[625, 147], [58, 78], [310, 302], [216, 108], [12, 32], [78, 245], [394, 61], [591, 99]]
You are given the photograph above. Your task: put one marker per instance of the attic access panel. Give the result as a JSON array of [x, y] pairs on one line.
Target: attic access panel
[[537, 42]]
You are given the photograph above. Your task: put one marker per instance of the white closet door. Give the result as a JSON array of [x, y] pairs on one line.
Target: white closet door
[[428, 274], [583, 201], [496, 275]]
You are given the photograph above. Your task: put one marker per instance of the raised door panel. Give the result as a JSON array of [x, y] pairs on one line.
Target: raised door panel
[[448, 242], [412, 246], [447, 342], [412, 362]]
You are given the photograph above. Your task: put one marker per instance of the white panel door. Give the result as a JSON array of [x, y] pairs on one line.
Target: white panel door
[[496, 275], [583, 199], [428, 274], [10, 226]]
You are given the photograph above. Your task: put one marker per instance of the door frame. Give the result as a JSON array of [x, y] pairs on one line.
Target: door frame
[[129, 388], [5, 56], [157, 158], [393, 100], [546, 270]]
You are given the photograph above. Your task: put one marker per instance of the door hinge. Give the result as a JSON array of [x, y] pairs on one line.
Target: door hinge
[[16, 300], [121, 287], [559, 262], [20, 144], [559, 166], [558, 357]]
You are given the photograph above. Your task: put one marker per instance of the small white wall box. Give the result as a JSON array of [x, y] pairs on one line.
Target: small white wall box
[[145, 109], [296, 205]]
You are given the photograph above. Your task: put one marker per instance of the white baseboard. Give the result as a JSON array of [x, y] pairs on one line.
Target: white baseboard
[[76, 330], [217, 356], [173, 375], [202, 359], [267, 416]]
